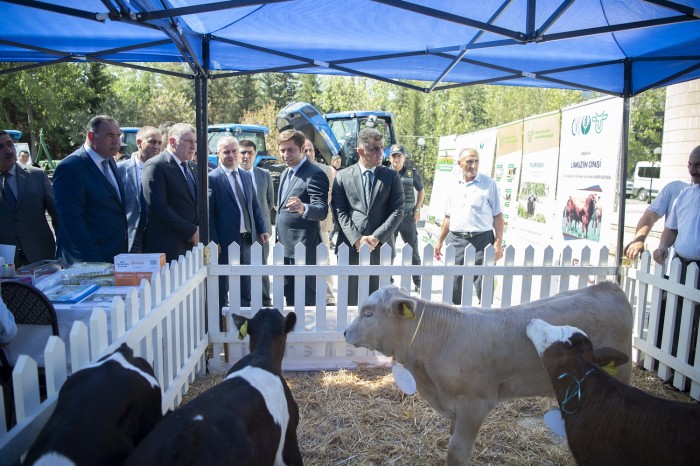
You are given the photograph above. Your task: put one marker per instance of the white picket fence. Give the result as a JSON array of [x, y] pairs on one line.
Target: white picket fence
[[318, 342], [163, 322], [645, 290]]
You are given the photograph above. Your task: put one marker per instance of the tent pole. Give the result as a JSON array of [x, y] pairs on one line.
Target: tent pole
[[201, 90], [622, 182]]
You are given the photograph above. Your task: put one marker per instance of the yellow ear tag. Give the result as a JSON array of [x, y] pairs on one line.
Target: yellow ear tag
[[610, 368], [407, 312], [243, 331]]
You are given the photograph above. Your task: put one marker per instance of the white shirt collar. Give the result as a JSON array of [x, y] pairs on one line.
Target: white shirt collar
[[97, 158]]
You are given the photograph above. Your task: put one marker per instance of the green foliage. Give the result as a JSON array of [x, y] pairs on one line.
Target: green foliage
[[646, 127]]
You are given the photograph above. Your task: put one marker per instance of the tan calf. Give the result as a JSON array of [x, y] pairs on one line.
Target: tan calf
[[467, 361]]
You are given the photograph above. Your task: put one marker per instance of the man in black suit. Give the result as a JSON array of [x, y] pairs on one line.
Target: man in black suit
[[170, 189], [262, 182], [90, 198], [234, 213], [148, 142], [302, 204], [25, 198], [368, 202]]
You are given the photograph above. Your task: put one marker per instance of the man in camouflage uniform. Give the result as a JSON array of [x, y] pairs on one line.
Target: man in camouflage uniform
[[413, 194]]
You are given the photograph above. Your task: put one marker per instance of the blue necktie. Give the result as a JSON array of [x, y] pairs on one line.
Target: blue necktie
[[7, 192], [242, 201], [190, 180]]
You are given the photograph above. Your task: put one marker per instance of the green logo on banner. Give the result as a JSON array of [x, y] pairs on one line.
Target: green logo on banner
[[585, 124]]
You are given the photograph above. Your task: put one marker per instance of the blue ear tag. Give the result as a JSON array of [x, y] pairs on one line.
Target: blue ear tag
[[555, 422]]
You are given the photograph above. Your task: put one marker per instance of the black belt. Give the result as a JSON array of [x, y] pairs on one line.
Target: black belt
[[468, 234], [245, 235], [687, 262]]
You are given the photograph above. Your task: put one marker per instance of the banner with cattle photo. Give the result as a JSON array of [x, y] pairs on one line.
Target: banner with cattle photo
[[446, 170], [535, 220], [506, 172], [591, 137]]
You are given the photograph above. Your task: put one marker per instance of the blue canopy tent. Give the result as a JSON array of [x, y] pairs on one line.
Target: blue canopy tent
[[615, 47]]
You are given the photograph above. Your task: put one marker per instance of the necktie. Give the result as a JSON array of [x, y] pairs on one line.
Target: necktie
[[190, 180], [241, 200], [368, 186], [287, 180], [7, 192], [112, 181]]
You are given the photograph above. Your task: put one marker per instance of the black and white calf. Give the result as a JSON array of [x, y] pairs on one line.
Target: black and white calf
[[102, 412], [608, 422], [249, 419]]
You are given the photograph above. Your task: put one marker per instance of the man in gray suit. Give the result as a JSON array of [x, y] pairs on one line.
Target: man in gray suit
[[262, 182], [368, 202], [302, 204], [25, 197], [170, 189], [148, 142]]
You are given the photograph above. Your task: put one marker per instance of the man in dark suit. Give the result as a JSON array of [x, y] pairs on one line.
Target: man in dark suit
[[89, 198], [25, 198], [368, 202], [148, 142], [302, 204], [262, 182], [170, 188], [234, 213]]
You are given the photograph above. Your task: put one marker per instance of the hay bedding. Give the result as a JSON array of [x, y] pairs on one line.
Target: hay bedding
[[361, 418]]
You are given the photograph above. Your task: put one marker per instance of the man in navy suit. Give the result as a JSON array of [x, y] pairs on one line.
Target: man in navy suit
[[148, 142], [170, 189], [262, 182], [302, 204], [368, 202], [25, 199], [234, 213], [90, 198]]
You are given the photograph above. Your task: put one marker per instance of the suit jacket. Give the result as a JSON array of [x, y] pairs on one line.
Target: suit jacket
[[92, 218], [135, 202], [224, 216], [27, 227], [355, 217], [266, 194], [310, 185], [172, 211]]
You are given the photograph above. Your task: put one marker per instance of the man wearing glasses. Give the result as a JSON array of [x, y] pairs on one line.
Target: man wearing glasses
[[472, 214], [368, 202]]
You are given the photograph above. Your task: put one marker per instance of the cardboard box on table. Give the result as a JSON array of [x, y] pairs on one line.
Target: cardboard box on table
[[130, 269]]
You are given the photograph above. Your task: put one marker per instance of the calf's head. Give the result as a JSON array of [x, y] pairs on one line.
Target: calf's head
[[380, 322], [268, 327], [560, 346]]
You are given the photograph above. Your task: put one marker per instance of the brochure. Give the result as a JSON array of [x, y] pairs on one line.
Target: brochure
[[106, 294], [70, 293]]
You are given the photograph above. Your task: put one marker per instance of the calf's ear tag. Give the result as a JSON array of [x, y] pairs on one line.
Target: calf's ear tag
[[407, 312], [243, 331], [404, 379], [610, 368]]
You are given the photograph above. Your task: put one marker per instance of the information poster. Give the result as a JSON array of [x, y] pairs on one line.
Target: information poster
[[509, 152], [588, 170], [535, 219]]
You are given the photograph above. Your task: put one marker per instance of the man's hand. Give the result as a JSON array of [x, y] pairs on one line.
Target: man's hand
[[371, 240], [294, 204], [499, 249], [195, 238], [634, 249], [660, 255], [264, 238], [437, 254], [416, 215]]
